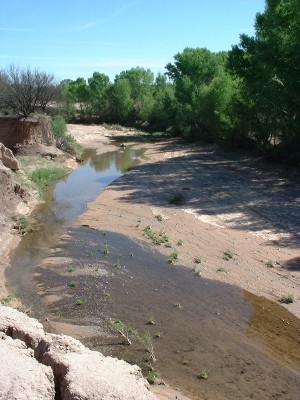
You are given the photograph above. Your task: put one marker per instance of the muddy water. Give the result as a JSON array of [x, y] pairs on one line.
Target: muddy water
[[249, 346], [64, 202]]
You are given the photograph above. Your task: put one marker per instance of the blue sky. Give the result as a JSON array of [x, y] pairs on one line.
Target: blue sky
[[73, 38]]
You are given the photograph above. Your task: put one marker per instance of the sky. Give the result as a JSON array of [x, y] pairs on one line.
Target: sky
[[74, 38]]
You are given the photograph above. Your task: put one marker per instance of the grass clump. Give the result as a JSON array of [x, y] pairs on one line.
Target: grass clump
[[157, 237], [287, 299], [7, 299], [21, 223], [228, 255], [151, 377], [197, 260], [159, 217], [79, 302], [64, 141], [173, 257], [73, 284], [42, 177], [177, 199], [151, 321], [203, 374]]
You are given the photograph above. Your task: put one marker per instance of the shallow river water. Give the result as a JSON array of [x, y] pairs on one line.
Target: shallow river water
[[249, 346]]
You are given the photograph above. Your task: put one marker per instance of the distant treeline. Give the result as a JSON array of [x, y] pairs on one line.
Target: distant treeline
[[248, 97]]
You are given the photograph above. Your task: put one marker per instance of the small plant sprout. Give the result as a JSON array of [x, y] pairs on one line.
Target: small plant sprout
[[203, 374], [79, 302], [222, 269], [159, 217], [197, 260], [228, 255], [104, 233], [180, 242], [173, 257], [157, 237], [158, 335], [151, 377], [146, 341], [117, 264], [151, 321], [58, 312], [71, 269], [125, 331], [73, 284], [178, 305], [271, 264], [287, 299], [197, 272], [105, 251]]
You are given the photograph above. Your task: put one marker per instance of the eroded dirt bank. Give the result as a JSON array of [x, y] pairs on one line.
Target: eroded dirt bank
[[227, 206]]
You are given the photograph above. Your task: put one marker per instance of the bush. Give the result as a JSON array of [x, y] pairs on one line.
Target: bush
[[42, 177], [63, 140]]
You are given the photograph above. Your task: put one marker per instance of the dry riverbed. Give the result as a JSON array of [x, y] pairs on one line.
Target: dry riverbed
[[228, 218]]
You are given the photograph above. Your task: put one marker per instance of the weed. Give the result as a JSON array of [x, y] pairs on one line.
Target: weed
[[157, 237], [105, 251], [22, 223], [125, 331], [71, 269], [7, 299], [151, 321], [42, 177], [104, 233], [222, 269], [73, 284], [173, 257], [106, 295], [146, 341], [177, 198], [180, 242], [58, 312], [228, 255], [158, 335], [151, 376], [287, 299], [271, 264], [131, 254], [64, 141], [79, 302], [197, 260], [203, 374], [178, 305], [117, 264], [159, 217], [197, 272]]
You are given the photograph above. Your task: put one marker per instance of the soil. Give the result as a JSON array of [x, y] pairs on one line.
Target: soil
[[230, 202], [238, 215]]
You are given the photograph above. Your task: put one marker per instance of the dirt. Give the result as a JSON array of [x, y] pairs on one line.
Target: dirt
[[230, 203], [237, 215]]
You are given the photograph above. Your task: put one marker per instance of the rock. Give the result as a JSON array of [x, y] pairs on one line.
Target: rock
[[21, 377], [79, 373], [8, 159]]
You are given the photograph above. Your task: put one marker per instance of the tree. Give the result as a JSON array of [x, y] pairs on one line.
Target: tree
[[203, 93], [268, 65], [24, 90], [99, 85]]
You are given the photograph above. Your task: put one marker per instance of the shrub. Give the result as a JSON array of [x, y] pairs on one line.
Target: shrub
[[42, 177], [63, 140]]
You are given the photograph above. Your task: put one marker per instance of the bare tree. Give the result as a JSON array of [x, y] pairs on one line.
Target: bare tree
[[24, 90]]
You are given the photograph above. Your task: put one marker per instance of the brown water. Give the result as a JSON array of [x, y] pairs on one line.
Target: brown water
[[249, 346]]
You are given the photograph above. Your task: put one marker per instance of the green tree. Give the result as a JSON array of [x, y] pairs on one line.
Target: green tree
[[203, 93], [99, 85], [269, 67], [120, 100]]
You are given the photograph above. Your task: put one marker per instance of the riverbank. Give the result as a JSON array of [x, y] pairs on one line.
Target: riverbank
[[237, 216]]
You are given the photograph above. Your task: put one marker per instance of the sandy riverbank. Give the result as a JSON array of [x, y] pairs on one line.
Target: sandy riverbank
[[228, 205]]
